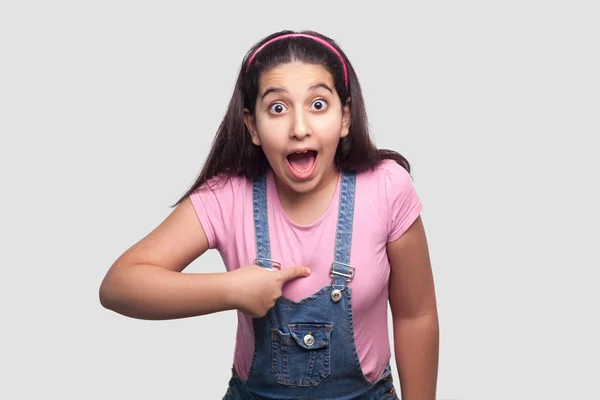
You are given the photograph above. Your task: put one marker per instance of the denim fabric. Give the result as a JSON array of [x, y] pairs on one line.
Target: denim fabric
[[306, 349], [261, 220], [382, 390]]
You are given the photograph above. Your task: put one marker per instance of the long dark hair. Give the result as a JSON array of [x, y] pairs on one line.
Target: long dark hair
[[232, 152]]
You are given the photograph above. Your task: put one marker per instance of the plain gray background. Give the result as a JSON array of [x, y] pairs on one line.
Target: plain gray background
[[107, 110]]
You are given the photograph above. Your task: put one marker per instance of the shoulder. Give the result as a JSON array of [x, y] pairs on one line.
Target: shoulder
[[222, 189], [216, 203], [386, 176], [222, 193], [390, 188]]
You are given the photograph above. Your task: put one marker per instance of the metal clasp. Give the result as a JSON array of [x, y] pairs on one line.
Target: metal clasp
[[274, 264], [336, 294], [348, 276]]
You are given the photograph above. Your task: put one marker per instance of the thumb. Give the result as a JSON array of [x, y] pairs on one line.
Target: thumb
[[294, 272]]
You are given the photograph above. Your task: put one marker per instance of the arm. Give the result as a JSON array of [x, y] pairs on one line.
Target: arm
[[414, 314], [145, 282]]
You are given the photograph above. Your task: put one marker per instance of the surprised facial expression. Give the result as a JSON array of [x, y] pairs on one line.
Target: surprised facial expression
[[298, 121]]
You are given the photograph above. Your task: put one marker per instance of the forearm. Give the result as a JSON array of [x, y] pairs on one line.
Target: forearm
[[150, 292], [416, 346]]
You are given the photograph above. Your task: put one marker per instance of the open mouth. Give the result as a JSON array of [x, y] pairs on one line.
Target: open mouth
[[302, 163]]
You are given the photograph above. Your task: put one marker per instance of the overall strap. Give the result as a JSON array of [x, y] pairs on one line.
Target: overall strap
[[261, 223], [341, 270]]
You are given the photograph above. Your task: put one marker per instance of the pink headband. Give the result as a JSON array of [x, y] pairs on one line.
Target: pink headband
[[323, 42]]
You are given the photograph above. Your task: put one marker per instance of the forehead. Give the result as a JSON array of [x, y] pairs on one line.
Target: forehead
[[295, 76]]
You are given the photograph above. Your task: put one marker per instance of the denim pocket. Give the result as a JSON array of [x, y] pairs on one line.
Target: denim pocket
[[302, 356]]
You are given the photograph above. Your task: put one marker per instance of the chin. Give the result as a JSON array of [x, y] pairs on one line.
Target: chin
[[295, 185], [301, 187], [317, 181]]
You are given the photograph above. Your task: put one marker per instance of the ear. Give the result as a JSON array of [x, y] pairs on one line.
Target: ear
[[250, 122], [346, 114]]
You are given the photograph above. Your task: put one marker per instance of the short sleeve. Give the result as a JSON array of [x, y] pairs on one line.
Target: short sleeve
[[403, 202], [213, 202]]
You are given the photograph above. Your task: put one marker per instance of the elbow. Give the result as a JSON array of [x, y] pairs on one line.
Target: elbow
[[109, 291], [118, 292], [106, 295]]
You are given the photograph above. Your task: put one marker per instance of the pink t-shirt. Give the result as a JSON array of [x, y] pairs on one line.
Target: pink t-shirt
[[386, 204]]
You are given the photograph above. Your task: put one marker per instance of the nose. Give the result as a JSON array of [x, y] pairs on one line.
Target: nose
[[300, 128]]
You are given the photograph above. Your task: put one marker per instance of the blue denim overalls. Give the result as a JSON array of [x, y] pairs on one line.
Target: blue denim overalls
[[306, 349]]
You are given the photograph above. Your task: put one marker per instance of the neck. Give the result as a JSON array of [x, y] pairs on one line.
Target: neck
[[305, 208]]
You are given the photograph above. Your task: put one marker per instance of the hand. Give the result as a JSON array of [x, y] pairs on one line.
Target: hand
[[256, 289]]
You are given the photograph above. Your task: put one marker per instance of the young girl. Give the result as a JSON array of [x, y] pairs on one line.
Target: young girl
[[317, 228]]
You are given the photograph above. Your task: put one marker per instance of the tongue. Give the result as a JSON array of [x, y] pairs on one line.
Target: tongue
[[302, 161]]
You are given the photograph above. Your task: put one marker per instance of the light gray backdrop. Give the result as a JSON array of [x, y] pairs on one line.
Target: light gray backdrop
[[107, 111]]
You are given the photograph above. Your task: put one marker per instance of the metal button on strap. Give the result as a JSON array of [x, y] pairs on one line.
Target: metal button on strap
[[336, 295], [309, 340]]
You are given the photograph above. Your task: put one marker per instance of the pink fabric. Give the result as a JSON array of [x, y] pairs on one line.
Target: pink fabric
[[386, 205]]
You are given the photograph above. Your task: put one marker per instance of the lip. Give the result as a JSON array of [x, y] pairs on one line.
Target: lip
[[302, 176], [301, 150]]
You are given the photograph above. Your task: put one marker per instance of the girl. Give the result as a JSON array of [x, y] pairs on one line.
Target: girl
[[317, 228]]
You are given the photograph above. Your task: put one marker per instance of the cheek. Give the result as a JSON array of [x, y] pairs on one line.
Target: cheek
[[271, 133], [331, 131], [331, 121]]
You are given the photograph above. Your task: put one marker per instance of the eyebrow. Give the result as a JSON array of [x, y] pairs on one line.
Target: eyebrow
[[282, 90]]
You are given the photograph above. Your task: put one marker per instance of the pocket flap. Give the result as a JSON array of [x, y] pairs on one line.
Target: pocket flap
[[311, 336]]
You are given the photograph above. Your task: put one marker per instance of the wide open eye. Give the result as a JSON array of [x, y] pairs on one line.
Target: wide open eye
[[319, 104], [277, 108]]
